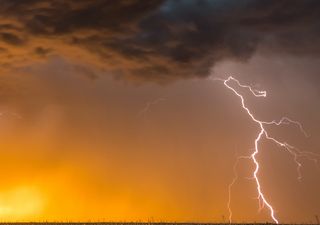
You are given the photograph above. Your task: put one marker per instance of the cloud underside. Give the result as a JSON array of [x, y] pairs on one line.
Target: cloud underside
[[153, 40]]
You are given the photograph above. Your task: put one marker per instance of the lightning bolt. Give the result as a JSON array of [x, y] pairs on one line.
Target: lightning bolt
[[295, 152], [234, 180]]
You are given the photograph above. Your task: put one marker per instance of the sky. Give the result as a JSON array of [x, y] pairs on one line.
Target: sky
[[109, 111]]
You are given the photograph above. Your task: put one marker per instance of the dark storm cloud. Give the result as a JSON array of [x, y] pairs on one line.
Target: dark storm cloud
[[156, 40]]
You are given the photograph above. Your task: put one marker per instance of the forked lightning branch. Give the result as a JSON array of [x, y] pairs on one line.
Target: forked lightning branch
[[233, 85]]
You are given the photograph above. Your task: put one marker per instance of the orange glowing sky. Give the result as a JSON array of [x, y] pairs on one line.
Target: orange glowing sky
[[91, 156], [76, 147]]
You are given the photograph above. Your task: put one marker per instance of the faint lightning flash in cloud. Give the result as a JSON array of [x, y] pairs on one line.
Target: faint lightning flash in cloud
[[10, 114], [148, 105], [296, 153]]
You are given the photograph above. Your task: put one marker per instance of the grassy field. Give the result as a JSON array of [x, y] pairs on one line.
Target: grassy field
[[136, 223]]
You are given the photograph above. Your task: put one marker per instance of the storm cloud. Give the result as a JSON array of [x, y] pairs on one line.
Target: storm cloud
[[154, 40]]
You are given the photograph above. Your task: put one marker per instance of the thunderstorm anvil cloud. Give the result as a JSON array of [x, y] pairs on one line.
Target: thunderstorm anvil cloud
[[153, 40]]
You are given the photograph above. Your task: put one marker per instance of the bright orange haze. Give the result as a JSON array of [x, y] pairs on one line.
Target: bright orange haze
[[76, 149]]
